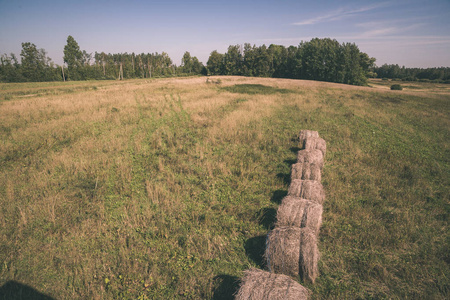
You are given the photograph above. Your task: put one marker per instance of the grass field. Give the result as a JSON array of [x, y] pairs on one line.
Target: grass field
[[166, 188]]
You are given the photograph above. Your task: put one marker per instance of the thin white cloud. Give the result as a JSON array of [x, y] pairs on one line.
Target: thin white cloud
[[379, 32], [397, 21], [387, 31], [339, 14], [318, 19]]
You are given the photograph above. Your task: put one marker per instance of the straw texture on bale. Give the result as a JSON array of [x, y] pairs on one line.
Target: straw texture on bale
[[304, 135], [306, 171], [301, 213], [314, 156], [283, 250], [262, 285], [293, 251], [316, 143], [309, 255], [307, 189]]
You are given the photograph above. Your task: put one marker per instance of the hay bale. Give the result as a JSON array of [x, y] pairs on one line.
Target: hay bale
[[283, 251], [306, 171], [260, 285], [301, 213], [307, 189], [314, 156], [304, 135], [316, 143], [309, 255], [292, 251]]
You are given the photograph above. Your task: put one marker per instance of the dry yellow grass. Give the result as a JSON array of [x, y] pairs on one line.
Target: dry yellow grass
[[153, 188]]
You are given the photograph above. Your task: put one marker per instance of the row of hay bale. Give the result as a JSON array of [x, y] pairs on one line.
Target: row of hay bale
[[291, 247]]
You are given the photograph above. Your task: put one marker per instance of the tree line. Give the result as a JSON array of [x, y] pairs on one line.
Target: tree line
[[441, 74], [36, 66], [319, 59]]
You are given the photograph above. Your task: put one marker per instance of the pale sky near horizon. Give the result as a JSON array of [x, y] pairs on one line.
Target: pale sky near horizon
[[413, 33]]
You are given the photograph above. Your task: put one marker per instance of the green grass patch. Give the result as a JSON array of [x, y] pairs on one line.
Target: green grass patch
[[256, 89]]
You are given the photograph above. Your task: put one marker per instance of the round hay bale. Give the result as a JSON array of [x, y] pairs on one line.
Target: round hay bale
[[262, 285], [293, 251], [297, 171], [314, 156], [283, 251], [316, 143], [309, 255], [301, 213], [306, 171], [307, 189], [304, 135]]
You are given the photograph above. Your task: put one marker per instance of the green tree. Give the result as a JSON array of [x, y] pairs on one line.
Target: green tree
[[215, 63], [262, 62], [187, 62], [233, 60], [166, 64], [293, 62], [357, 65], [73, 57], [279, 56], [10, 69], [33, 62], [197, 66], [320, 59], [191, 64], [249, 60]]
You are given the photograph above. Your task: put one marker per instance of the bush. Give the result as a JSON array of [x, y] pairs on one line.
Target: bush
[[397, 87]]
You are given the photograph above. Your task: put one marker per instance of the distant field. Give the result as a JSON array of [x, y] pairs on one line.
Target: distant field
[[166, 188], [440, 88]]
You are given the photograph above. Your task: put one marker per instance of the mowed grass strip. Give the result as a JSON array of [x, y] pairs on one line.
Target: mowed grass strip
[[167, 188]]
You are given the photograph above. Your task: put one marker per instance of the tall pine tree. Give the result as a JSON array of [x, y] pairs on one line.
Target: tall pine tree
[[73, 57]]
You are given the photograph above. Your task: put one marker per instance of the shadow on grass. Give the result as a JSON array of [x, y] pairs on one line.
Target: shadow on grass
[[13, 290], [254, 248], [290, 162], [278, 195], [285, 177], [267, 217], [226, 287], [295, 149]]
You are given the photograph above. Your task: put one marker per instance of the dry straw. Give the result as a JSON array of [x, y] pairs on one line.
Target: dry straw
[[316, 143], [300, 213], [306, 134], [259, 285], [307, 189], [306, 171], [292, 251], [314, 156], [309, 255]]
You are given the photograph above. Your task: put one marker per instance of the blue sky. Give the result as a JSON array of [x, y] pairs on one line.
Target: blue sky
[[414, 33]]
